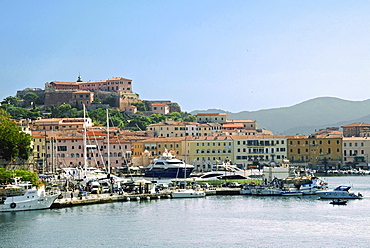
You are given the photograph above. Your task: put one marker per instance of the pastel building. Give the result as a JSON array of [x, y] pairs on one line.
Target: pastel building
[[356, 152], [261, 150], [206, 151]]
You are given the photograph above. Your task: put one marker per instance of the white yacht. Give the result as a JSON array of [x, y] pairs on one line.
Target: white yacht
[[24, 196], [340, 192], [167, 166]]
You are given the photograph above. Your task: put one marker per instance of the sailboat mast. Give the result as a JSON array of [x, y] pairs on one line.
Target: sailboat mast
[[85, 145], [108, 143]]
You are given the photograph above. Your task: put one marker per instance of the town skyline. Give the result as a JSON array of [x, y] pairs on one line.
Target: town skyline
[[252, 55]]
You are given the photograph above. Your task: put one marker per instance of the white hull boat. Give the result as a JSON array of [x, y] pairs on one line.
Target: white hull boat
[[23, 197], [341, 192], [188, 193]]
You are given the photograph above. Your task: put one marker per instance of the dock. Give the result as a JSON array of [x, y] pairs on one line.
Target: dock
[[109, 198]]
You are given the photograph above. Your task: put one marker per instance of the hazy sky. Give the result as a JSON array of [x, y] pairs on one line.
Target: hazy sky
[[231, 55]]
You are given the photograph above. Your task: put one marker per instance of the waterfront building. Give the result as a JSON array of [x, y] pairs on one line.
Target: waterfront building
[[258, 150], [356, 152], [322, 152], [39, 150], [156, 146], [206, 151]]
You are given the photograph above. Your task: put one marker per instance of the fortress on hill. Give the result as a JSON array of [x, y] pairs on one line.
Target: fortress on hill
[[117, 92]]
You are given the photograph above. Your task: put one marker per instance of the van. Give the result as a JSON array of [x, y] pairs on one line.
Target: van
[[95, 187]]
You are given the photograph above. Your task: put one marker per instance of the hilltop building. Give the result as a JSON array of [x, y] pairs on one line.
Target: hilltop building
[[356, 130]]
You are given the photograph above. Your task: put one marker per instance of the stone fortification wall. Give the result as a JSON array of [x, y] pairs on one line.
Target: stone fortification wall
[[57, 98]]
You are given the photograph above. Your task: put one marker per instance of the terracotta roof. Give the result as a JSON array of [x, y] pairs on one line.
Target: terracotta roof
[[159, 104], [359, 124], [235, 125], [68, 83], [119, 78], [240, 121], [166, 139], [259, 136], [210, 114]]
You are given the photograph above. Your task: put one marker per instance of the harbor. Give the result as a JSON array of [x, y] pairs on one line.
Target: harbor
[[213, 221]]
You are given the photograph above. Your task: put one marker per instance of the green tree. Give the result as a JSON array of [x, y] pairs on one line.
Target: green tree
[[140, 106], [14, 143], [30, 98], [190, 118], [158, 118], [14, 101], [6, 176], [17, 112]]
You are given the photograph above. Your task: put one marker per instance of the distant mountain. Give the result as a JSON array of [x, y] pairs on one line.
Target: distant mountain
[[305, 117]]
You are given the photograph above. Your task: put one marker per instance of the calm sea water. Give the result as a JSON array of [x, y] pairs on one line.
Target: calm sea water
[[216, 221]]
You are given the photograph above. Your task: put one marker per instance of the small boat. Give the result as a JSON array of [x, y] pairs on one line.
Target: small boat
[[338, 202], [341, 192], [188, 193], [24, 196]]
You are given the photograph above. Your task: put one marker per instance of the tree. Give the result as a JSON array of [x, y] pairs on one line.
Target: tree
[[14, 101], [30, 98], [13, 142], [158, 117], [6, 176], [140, 106]]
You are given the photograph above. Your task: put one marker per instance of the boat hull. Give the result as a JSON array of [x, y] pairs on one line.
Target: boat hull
[[12, 204], [337, 195], [168, 172], [188, 194]]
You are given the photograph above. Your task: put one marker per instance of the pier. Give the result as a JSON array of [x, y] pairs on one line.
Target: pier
[[108, 198]]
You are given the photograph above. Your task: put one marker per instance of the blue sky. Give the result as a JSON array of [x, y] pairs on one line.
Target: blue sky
[[230, 55]]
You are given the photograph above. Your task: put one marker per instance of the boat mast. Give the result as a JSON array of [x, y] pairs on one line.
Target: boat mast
[[85, 145], [108, 143]]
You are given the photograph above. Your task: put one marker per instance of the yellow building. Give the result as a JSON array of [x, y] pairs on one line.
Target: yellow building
[[156, 146], [206, 151], [316, 151]]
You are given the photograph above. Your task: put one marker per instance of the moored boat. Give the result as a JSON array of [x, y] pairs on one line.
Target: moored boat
[[167, 166], [24, 196], [188, 193], [341, 192]]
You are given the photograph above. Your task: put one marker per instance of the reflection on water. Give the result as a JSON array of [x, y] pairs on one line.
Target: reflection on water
[[216, 221]]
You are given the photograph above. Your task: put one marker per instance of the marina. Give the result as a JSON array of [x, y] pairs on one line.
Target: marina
[[218, 221]]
